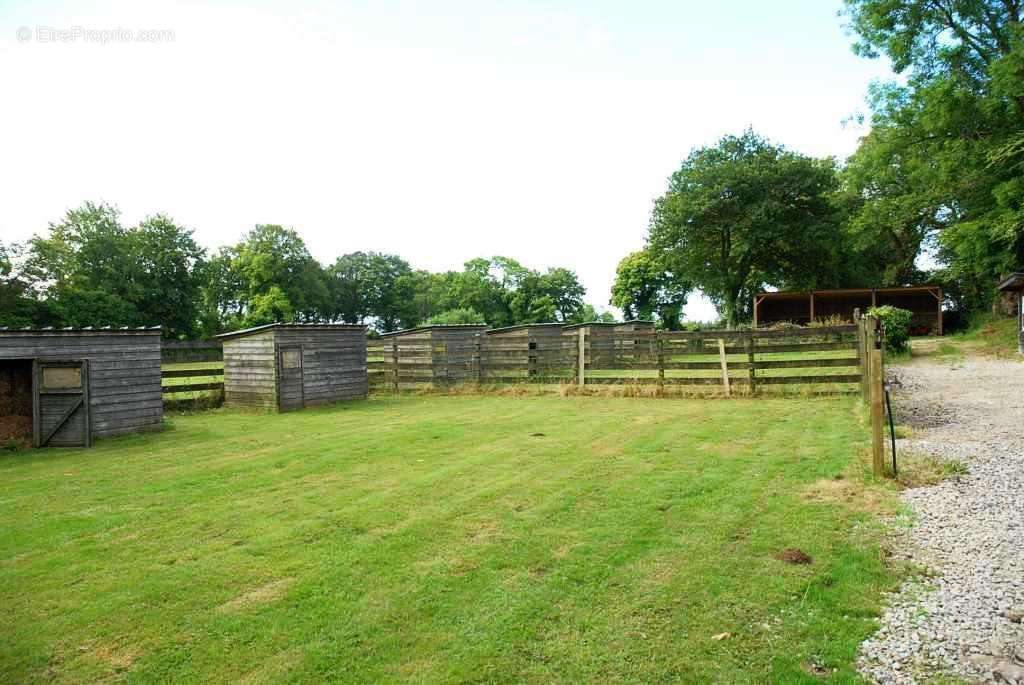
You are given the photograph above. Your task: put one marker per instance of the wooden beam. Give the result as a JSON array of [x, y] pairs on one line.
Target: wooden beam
[[725, 366], [812, 307]]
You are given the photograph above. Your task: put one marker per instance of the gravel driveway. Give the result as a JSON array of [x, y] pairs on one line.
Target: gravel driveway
[[964, 617]]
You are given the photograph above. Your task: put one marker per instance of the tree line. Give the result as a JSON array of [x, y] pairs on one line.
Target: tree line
[[941, 173], [90, 270]]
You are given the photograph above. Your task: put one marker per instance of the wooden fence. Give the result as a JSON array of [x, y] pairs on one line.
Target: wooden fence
[[192, 371], [826, 358]]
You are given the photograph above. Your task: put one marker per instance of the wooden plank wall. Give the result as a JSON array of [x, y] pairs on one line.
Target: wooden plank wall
[[124, 372], [333, 362], [250, 372]]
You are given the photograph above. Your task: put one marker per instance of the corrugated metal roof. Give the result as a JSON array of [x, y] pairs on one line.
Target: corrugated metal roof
[[609, 323], [438, 327], [1014, 281], [87, 329], [268, 326], [521, 326]]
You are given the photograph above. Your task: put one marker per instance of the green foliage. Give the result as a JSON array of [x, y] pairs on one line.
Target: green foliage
[[372, 284], [279, 277], [942, 165], [19, 308], [645, 289], [455, 316], [588, 313], [896, 323], [91, 271], [744, 214]]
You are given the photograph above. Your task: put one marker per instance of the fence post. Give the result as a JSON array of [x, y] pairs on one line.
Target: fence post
[[877, 417], [582, 371], [748, 342], [725, 366], [394, 364], [660, 342]]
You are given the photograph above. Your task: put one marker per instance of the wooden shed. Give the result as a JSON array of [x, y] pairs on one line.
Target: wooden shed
[[609, 343], [64, 387], [1014, 283], [530, 350], [291, 366], [925, 302], [438, 355]]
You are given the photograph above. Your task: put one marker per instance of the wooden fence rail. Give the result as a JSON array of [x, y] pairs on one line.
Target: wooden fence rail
[[816, 356]]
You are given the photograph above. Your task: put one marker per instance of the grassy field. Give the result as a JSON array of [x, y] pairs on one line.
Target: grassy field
[[448, 539]]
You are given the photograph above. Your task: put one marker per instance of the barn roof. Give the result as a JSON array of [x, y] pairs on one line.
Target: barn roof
[[438, 327], [608, 323], [88, 329], [796, 294], [521, 326], [302, 326], [1013, 282]]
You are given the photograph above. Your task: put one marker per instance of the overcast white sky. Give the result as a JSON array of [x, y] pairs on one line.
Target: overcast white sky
[[440, 131]]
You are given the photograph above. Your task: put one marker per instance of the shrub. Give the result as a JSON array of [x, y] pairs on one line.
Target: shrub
[[896, 325], [455, 316]]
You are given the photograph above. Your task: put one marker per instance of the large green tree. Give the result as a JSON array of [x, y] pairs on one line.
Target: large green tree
[[940, 168], [645, 289], [92, 271], [367, 285], [743, 214], [280, 279]]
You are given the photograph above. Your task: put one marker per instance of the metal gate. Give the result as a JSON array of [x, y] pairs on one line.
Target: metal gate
[[289, 378], [60, 403]]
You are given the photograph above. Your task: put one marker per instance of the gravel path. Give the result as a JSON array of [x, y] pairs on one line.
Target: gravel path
[[964, 618]]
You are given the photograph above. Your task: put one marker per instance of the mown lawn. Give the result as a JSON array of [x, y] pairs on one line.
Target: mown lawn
[[446, 539]]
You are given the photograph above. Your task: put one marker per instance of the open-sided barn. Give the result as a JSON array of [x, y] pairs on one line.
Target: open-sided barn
[[925, 302], [291, 366], [63, 387]]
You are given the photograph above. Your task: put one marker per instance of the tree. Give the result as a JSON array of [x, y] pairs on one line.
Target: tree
[[269, 257], [589, 314], [371, 284], [940, 160], [167, 271], [94, 272], [454, 317], [645, 289], [18, 306], [743, 214]]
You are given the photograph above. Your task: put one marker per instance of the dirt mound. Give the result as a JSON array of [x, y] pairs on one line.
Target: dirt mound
[[793, 556]]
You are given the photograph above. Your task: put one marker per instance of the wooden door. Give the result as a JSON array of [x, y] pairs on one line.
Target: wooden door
[[289, 378], [60, 403]]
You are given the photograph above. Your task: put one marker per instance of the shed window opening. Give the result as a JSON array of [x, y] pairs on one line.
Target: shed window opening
[[62, 377], [291, 359]]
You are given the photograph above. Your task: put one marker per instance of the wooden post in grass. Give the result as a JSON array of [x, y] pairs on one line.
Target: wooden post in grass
[[660, 342], [748, 342], [725, 366], [582, 371], [394, 364], [877, 416]]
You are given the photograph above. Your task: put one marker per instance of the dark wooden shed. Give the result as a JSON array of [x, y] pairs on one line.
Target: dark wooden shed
[[64, 387], [438, 355], [291, 366], [925, 302], [528, 350], [1014, 283], [609, 343]]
